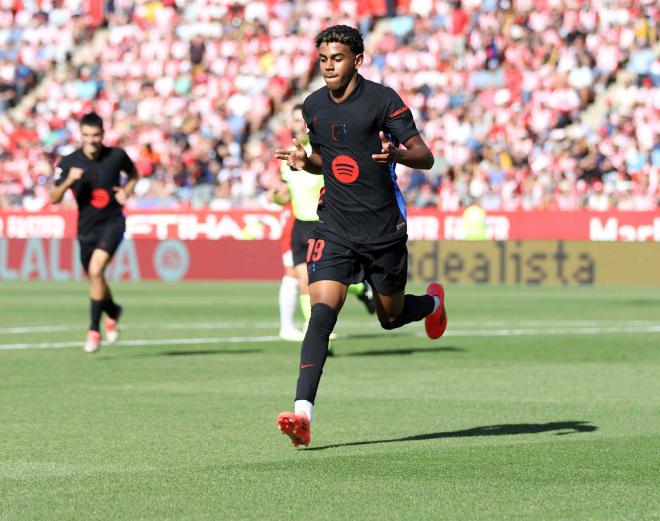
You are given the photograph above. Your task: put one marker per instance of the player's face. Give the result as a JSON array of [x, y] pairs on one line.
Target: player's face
[[338, 64], [92, 139]]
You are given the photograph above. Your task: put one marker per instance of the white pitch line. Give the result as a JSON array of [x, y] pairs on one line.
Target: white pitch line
[[271, 338], [173, 326], [562, 331], [344, 323], [34, 329], [152, 342]]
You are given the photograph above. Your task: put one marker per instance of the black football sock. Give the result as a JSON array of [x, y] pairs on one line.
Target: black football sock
[[414, 308], [96, 307], [111, 308], [314, 351]]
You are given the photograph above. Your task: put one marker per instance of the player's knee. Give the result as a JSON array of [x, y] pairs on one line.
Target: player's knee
[[388, 324], [95, 272], [389, 321], [323, 319]]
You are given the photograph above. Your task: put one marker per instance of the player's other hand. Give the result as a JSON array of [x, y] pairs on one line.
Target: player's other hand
[[75, 173], [295, 156], [120, 195], [388, 152]]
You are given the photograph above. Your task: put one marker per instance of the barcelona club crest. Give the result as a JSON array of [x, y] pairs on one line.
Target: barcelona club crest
[[339, 131]]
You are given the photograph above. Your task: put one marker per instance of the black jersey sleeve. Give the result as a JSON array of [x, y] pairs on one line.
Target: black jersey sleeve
[[309, 124], [62, 168], [397, 118], [126, 164]]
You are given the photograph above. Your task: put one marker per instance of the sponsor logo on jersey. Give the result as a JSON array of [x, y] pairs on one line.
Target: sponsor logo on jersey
[[345, 169], [100, 198]]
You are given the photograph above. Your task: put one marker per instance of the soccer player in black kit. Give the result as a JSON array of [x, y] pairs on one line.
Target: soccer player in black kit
[[93, 173], [355, 128]]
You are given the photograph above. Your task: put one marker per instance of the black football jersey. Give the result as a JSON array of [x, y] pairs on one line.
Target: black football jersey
[[94, 190], [362, 202]]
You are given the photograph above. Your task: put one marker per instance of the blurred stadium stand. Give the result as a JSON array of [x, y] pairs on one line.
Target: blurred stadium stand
[[532, 104]]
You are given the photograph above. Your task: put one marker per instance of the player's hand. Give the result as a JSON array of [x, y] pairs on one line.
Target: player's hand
[[388, 152], [120, 195], [295, 156], [75, 173]]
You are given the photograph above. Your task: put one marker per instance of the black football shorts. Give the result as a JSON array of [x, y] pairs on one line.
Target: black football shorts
[[385, 267], [106, 238], [302, 231]]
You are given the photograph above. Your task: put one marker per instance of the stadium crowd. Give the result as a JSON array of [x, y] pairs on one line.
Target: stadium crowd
[[506, 94], [33, 43], [502, 95]]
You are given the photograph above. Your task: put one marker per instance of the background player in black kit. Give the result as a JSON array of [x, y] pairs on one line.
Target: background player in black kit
[[93, 172], [355, 128]]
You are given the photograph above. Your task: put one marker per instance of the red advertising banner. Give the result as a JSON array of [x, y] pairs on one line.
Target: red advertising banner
[[169, 260], [475, 262], [423, 224]]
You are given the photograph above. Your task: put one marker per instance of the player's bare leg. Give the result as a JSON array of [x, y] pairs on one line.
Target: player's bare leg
[[388, 307], [96, 273]]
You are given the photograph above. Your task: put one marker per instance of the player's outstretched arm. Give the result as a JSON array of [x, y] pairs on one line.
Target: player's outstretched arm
[[57, 191], [297, 158], [416, 153]]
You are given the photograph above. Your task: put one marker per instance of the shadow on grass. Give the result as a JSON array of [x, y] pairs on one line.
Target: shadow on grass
[[380, 334], [566, 427], [210, 352], [189, 353], [646, 302], [405, 351]]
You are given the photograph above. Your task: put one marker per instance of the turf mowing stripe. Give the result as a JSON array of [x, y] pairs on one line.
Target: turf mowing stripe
[[271, 338]]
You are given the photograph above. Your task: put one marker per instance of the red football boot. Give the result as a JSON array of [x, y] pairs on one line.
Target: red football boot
[[436, 322], [296, 427], [93, 342], [112, 328]]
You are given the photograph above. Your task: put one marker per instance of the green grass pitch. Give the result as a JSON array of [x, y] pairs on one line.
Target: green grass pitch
[[538, 404]]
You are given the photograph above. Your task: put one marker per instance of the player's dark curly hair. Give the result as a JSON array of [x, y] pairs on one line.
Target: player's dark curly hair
[[341, 34], [92, 119]]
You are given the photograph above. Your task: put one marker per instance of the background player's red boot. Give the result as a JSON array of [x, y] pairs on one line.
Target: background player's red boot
[[296, 427], [112, 328], [436, 322], [93, 342]]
